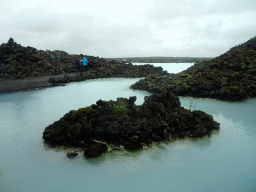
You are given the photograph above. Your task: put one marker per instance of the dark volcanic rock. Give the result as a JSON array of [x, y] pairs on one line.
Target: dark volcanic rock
[[17, 61], [121, 122], [133, 146], [95, 150], [72, 155], [231, 76], [113, 69]]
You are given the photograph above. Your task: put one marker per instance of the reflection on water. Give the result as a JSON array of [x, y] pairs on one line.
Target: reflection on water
[[202, 143], [224, 160]]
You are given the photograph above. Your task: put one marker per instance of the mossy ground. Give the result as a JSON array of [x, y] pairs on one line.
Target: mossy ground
[[119, 110]]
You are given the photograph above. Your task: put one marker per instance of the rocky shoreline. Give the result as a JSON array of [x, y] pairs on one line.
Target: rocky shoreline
[[230, 77], [122, 123], [26, 68], [112, 69], [18, 62]]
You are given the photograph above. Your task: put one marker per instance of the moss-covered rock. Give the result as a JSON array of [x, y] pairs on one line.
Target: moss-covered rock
[[226, 77], [119, 110], [183, 75], [121, 122], [17, 61]]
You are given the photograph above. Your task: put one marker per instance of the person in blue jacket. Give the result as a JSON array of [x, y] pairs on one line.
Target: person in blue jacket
[[85, 63]]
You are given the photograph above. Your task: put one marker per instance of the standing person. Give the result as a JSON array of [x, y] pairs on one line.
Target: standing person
[[85, 63], [77, 66]]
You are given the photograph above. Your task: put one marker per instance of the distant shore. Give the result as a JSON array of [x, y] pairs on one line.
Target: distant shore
[[160, 59]]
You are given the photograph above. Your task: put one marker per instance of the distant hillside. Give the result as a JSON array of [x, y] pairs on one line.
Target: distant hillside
[[160, 59], [231, 76]]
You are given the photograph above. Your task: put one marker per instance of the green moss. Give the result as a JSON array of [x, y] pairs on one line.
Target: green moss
[[185, 86], [243, 66], [119, 110], [217, 80], [183, 75], [254, 38], [62, 121], [179, 82], [80, 111], [251, 70], [190, 77], [235, 87], [110, 102], [252, 85], [185, 111]]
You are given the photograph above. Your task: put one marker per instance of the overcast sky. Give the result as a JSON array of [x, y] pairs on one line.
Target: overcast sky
[[116, 28]]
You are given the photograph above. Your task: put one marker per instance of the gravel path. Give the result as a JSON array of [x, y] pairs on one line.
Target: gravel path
[[29, 83]]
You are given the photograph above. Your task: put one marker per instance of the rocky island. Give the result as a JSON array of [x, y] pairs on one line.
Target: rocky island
[[231, 77], [122, 123]]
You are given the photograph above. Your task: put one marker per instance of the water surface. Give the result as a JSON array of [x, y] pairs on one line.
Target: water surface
[[223, 162], [170, 67]]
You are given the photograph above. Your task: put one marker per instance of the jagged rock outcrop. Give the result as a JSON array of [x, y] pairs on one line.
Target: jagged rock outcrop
[[113, 69], [231, 76], [17, 61], [121, 122]]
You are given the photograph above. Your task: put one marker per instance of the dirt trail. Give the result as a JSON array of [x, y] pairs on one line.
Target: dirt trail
[[29, 83]]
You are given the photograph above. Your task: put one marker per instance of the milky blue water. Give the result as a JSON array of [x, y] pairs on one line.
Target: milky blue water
[[226, 161], [170, 67]]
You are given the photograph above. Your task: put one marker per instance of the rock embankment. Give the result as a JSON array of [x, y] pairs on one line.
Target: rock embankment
[[231, 76], [112, 69], [121, 122], [17, 61]]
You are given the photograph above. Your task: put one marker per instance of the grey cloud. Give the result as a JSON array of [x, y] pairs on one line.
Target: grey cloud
[[166, 9], [166, 28]]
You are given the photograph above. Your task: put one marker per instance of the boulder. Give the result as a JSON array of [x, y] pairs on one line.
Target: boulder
[[133, 146], [72, 154], [95, 150]]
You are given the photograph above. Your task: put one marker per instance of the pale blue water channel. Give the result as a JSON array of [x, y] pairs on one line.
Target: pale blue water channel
[[226, 161]]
